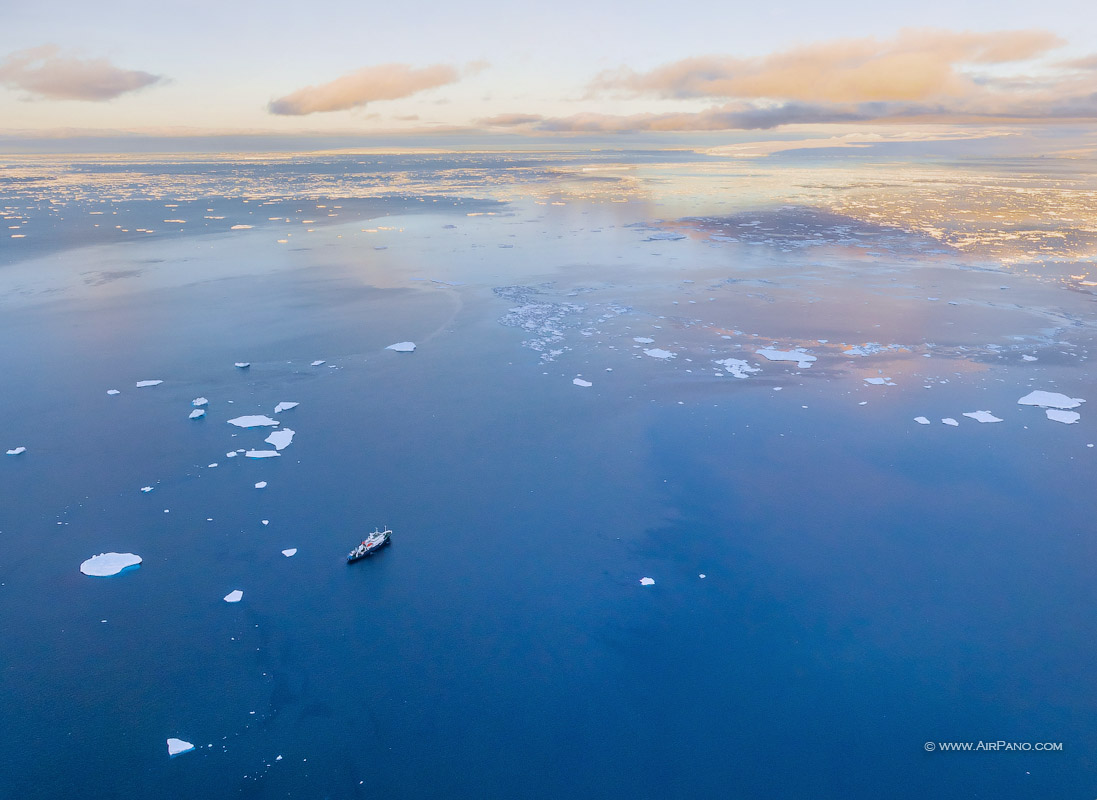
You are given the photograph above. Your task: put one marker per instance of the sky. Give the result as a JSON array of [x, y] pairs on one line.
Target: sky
[[556, 70]]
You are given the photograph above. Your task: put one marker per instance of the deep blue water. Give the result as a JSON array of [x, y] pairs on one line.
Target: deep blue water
[[871, 584]]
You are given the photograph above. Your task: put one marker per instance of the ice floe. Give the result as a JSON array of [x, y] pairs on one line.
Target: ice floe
[[921, 420], [235, 596], [643, 339], [1028, 358], [242, 364], [253, 421], [950, 421], [113, 391], [802, 359], [261, 454], [176, 747], [581, 382], [280, 439], [1066, 417], [261, 485], [317, 363], [284, 406], [17, 450], [198, 402], [402, 347], [656, 352], [143, 384], [738, 368], [146, 489], [982, 416], [1050, 400], [879, 381], [665, 236], [647, 581], [106, 564], [198, 413], [290, 552]]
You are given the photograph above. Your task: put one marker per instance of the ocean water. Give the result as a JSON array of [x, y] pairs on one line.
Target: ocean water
[[871, 584]]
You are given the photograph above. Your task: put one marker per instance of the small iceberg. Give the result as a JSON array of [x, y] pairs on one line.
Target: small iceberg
[[802, 359], [318, 363], [1066, 417], [235, 596], [402, 347], [647, 581], [738, 368], [143, 384], [643, 340], [656, 352], [16, 451], [261, 485], [146, 489], [665, 236], [106, 564], [254, 421], [950, 421], [982, 416], [1050, 400], [290, 553], [280, 439], [176, 747], [198, 413], [198, 402], [879, 381], [113, 391], [242, 364], [261, 454], [284, 406], [581, 382], [921, 420]]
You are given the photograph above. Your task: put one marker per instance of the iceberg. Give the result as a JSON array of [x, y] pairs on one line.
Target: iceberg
[[235, 596], [402, 347], [176, 747], [982, 416], [647, 581], [113, 391], [146, 489], [242, 364], [280, 439], [1050, 400], [879, 381], [16, 451], [802, 359], [143, 384], [921, 420], [284, 406], [198, 413], [254, 421], [581, 382], [665, 236], [317, 363], [261, 454], [738, 368], [643, 340], [290, 553], [198, 402], [1066, 417], [261, 485], [106, 564], [950, 421], [656, 352]]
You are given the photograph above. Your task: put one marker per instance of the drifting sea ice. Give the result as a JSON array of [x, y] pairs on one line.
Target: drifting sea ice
[[665, 236], [284, 406], [16, 451], [581, 382], [647, 581], [317, 363], [643, 339], [176, 747], [738, 368], [253, 421], [198, 413], [982, 416], [656, 352], [235, 596], [950, 421], [280, 439], [879, 381], [402, 347], [261, 454], [1066, 417], [921, 420], [146, 489], [106, 564], [242, 364], [143, 384], [1050, 400], [261, 485], [113, 391], [802, 359], [290, 553], [198, 402]]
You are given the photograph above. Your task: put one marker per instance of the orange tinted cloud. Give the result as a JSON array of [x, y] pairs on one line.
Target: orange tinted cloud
[[44, 73], [382, 82]]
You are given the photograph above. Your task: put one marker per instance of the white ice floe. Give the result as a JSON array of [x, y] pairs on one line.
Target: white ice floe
[[737, 368], [1028, 358], [17, 450], [176, 747], [239, 227], [113, 391], [198, 402], [982, 416], [402, 347], [280, 439], [950, 421], [290, 553], [146, 489], [261, 485], [581, 382], [261, 454], [106, 564], [254, 421], [802, 359], [1050, 400], [656, 352], [702, 576], [921, 420], [879, 381], [1067, 417], [235, 596], [242, 364], [317, 363], [643, 339], [231, 455], [198, 413], [285, 406], [647, 581], [665, 236], [143, 384]]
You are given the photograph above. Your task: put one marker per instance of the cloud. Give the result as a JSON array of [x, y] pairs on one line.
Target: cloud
[[367, 85], [44, 73], [510, 120], [915, 65]]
